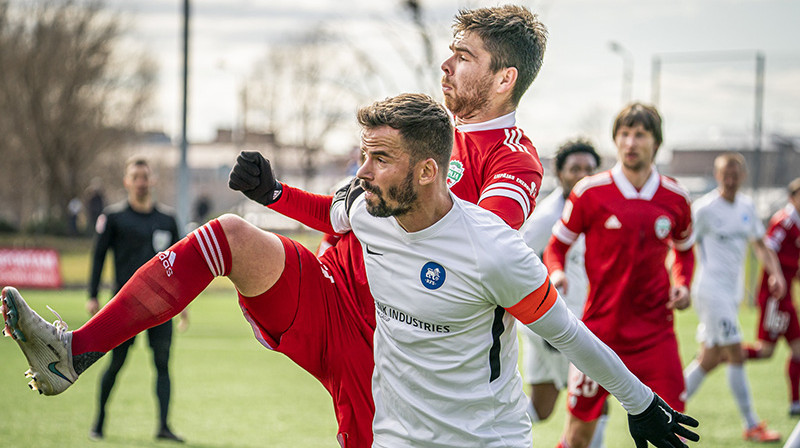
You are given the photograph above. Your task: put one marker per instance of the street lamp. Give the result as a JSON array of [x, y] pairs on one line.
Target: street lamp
[[627, 69]]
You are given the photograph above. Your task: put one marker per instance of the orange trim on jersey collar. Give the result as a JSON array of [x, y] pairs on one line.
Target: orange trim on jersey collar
[[535, 304]]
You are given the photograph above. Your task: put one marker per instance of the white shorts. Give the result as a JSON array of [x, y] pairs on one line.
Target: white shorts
[[719, 318], [541, 362]]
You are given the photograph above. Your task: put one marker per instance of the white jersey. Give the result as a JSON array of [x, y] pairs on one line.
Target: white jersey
[[445, 346], [722, 232], [537, 232]]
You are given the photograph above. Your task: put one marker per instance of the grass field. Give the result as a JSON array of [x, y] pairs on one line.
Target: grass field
[[228, 391]]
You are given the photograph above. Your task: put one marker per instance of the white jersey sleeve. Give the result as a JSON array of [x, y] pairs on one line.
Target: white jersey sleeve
[[591, 356], [537, 230]]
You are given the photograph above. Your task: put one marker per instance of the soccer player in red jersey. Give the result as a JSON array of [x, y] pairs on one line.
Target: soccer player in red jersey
[[778, 317], [631, 217], [323, 316]]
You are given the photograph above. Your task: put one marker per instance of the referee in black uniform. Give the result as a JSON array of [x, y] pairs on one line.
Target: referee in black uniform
[[135, 229]]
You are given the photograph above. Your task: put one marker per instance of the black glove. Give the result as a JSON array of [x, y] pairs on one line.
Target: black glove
[[253, 176], [661, 425], [348, 194]]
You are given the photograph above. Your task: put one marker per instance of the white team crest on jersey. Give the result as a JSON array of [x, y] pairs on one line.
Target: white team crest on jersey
[[612, 223], [663, 226], [432, 275], [454, 172], [161, 239]]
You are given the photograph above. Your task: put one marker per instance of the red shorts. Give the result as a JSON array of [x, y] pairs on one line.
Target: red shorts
[[659, 368], [777, 317], [328, 335]]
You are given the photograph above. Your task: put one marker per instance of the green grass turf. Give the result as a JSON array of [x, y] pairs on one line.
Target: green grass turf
[[229, 391]]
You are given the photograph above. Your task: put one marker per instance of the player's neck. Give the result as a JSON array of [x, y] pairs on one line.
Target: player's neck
[[429, 210], [141, 205], [489, 112], [637, 177], [728, 195]]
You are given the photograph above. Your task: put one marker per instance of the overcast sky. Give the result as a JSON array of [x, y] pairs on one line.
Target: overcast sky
[[578, 91]]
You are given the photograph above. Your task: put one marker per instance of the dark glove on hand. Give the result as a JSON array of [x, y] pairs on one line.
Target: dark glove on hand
[[661, 425], [348, 193], [253, 176]]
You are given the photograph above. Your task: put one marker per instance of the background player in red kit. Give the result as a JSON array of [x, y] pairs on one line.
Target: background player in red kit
[[778, 317], [323, 319], [631, 216]]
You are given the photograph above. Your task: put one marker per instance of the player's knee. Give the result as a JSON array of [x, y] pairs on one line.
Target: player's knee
[[580, 435], [543, 408], [234, 225]]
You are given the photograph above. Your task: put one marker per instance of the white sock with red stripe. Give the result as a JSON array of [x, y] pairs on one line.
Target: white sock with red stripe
[[158, 290]]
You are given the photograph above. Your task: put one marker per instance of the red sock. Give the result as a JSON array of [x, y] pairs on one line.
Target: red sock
[[793, 370], [751, 352], [158, 291]]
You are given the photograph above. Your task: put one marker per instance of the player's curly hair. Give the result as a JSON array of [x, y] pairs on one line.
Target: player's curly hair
[[423, 123], [576, 146], [513, 35]]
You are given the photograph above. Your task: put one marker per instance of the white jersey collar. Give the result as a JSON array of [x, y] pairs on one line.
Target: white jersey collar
[[442, 225], [629, 191], [506, 121]]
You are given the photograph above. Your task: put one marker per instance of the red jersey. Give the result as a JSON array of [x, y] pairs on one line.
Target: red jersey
[[783, 236], [495, 165], [628, 234]]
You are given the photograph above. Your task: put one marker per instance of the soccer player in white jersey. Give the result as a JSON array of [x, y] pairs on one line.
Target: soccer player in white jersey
[[441, 271], [725, 221], [545, 369]]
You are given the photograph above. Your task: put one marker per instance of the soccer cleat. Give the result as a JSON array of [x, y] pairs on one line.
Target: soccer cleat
[[48, 347], [760, 433], [166, 434], [794, 409]]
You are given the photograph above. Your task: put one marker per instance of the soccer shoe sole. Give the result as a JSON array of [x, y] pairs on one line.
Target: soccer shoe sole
[[46, 364]]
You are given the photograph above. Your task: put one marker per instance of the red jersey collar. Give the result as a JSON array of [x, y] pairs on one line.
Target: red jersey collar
[[629, 191]]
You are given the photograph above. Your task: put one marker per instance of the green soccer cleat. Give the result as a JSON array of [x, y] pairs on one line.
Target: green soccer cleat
[[48, 347]]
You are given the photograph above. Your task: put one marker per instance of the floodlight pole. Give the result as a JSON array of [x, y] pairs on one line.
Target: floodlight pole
[[627, 70], [182, 197]]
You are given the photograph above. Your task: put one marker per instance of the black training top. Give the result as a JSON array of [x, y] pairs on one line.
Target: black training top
[[134, 237]]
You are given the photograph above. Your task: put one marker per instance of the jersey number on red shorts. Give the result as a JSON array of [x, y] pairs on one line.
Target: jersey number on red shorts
[[581, 385]]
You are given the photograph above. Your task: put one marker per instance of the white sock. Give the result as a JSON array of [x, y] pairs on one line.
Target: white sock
[[741, 392], [794, 438], [693, 375], [599, 433]]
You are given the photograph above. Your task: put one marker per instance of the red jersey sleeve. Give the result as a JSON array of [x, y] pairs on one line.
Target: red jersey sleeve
[[310, 209], [683, 243], [511, 184], [565, 232]]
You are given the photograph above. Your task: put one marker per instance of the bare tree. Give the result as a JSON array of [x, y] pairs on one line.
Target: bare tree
[[66, 96], [303, 94]]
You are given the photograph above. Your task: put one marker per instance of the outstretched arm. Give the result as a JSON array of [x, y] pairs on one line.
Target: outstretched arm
[[649, 417], [768, 258], [253, 176]]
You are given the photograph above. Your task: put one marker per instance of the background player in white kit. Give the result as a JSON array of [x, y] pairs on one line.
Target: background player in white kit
[[545, 369], [725, 221], [448, 279]]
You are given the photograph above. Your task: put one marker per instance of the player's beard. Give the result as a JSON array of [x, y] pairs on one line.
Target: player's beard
[[638, 165], [473, 97], [403, 195]]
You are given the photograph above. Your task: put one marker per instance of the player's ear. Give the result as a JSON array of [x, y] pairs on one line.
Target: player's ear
[[506, 79], [429, 170]]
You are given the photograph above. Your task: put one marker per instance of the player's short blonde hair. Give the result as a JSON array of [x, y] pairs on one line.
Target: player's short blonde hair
[[730, 158], [794, 187]]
